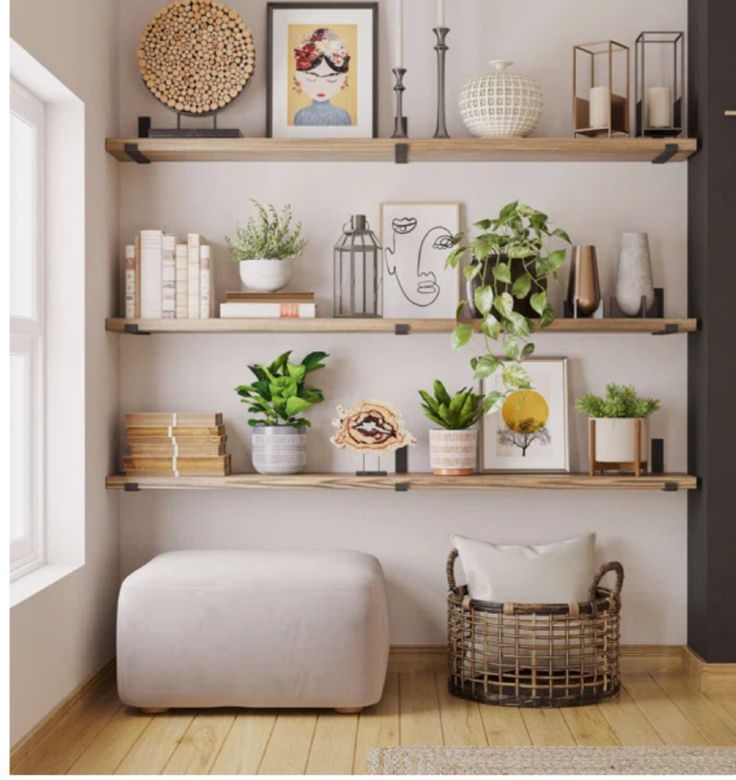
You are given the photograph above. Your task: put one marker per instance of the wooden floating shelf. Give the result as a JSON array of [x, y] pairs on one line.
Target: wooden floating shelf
[[410, 150], [345, 325], [403, 482]]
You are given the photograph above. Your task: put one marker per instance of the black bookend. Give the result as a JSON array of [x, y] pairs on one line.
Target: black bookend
[[402, 460], [656, 463]]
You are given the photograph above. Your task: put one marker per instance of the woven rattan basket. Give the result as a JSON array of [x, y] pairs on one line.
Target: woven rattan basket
[[535, 655]]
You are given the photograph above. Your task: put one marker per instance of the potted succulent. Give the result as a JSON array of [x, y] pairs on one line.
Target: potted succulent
[[507, 280], [453, 447], [614, 422], [278, 398], [266, 248]]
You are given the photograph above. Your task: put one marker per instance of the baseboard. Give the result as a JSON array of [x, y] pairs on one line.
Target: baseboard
[[709, 678], [28, 743]]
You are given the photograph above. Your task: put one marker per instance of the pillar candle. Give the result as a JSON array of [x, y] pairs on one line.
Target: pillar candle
[[600, 107], [440, 13], [399, 34], [659, 107]]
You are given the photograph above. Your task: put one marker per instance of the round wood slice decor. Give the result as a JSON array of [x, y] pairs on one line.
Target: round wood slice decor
[[196, 56]]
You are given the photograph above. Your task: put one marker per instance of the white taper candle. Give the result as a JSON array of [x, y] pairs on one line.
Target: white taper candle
[[399, 34], [440, 13]]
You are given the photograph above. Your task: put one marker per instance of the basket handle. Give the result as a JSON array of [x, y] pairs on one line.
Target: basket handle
[[613, 566], [451, 569]]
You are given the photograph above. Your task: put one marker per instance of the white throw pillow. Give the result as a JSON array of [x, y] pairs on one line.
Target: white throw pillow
[[557, 573]]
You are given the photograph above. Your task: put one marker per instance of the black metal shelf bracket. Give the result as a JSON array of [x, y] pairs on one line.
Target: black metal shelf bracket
[[402, 487], [669, 151], [670, 487], [401, 154], [669, 328], [131, 487], [133, 329], [136, 155], [401, 329]]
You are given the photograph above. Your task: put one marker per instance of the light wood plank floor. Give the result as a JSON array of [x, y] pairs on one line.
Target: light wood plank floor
[[100, 736]]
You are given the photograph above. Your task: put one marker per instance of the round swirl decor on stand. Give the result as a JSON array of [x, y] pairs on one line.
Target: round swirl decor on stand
[[500, 104], [196, 56]]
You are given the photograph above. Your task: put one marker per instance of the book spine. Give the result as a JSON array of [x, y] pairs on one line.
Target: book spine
[[168, 278], [151, 274], [193, 275], [205, 282], [182, 281], [269, 310], [137, 247], [130, 282]]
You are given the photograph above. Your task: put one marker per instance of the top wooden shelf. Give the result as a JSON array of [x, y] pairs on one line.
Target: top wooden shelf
[[658, 150]]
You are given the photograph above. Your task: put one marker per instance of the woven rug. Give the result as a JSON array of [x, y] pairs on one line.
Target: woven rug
[[553, 761]]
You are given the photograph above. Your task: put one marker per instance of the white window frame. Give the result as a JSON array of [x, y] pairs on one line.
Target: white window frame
[[27, 338]]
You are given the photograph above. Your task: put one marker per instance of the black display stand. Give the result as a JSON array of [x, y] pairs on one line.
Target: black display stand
[[656, 311], [146, 131]]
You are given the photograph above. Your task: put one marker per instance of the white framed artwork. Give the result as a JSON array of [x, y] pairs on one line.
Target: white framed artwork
[[531, 431], [416, 240]]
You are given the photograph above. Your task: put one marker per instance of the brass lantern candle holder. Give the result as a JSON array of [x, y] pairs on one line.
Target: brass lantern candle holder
[[600, 89], [357, 271], [659, 84]]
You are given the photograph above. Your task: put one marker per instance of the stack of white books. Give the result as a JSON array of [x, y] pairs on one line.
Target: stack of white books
[[168, 280]]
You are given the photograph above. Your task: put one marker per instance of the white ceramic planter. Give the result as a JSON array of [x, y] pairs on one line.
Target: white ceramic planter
[[453, 453], [615, 440], [266, 275], [279, 449]]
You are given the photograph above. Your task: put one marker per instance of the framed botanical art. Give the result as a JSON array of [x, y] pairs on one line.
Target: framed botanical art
[[530, 433], [416, 239], [322, 77]]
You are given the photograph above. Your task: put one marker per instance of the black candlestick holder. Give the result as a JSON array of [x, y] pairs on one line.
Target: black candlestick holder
[[441, 48], [401, 123]]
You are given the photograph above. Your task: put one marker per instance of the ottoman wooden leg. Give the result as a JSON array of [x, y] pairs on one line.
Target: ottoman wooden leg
[[348, 710], [153, 710]]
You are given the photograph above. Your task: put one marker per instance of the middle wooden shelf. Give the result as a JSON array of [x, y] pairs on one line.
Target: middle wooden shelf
[[380, 325]]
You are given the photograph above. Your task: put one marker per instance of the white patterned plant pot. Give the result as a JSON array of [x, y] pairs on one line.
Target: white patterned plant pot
[[279, 449], [501, 104], [453, 453], [265, 275]]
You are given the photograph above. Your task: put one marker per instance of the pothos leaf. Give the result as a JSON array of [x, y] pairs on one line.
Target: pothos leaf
[[483, 298], [461, 335]]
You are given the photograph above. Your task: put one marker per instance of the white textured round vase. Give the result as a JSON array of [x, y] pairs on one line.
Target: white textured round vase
[[265, 275], [500, 103], [615, 440], [634, 277], [453, 453], [279, 449]]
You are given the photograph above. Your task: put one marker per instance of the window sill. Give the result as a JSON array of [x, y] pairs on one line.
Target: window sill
[[36, 581]]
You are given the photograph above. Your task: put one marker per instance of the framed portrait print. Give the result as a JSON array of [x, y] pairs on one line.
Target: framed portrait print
[[322, 79], [416, 239], [530, 433]]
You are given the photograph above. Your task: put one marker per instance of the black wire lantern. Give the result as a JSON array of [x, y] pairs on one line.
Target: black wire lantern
[[660, 84], [357, 271]]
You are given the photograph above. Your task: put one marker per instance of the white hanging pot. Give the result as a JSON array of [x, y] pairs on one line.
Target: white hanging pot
[[267, 275], [501, 104], [453, 453]]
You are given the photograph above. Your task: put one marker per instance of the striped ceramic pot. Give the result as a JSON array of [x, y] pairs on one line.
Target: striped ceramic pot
[[453, 453], [279, 449]]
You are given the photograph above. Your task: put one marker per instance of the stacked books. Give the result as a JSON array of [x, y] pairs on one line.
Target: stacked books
[[168, 280], [268, 305], [175, 444]]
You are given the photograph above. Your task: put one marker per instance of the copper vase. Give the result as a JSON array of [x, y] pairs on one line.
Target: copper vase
[[583, 284]]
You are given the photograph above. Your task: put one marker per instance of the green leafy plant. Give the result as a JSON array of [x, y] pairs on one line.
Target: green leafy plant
[[453, 413], [278, 396], [619, 401], [269, 235], [512, 258]]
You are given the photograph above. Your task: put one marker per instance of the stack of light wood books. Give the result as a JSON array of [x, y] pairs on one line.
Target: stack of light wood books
[[176, 444], [275, 305]]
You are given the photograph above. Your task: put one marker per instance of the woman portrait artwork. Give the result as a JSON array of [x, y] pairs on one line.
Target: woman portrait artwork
[[322, 63]]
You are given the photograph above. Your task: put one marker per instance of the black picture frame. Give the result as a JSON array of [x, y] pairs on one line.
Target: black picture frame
[[327, 6]]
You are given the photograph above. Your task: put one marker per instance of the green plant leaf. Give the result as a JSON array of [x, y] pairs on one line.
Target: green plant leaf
[[528, 350], [471, 271], [453, 259], [520, 324], [493, 402], [548, 317], [522, 285], [560, 233], [515, 376], [483, 298], [504, 304], [297, 373], [440, 393], [502, 272], [485, 366], [461, 335], [556, 259], [313, 361], [511, 348], [296, 405], [491, 327], [538, 302]]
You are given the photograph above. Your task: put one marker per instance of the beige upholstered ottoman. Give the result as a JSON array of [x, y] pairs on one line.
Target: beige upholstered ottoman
[[253, 628]]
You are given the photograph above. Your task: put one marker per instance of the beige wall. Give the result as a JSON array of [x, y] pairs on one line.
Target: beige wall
[[65, 633]]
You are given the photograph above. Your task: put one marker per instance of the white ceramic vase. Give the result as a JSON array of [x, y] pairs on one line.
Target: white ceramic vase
[[615, 440], [279, 449], [453, 453], [501, 104], [266, 275], [634, 277]]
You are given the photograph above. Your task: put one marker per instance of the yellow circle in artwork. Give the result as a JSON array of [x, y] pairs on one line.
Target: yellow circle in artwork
[[525, 411]]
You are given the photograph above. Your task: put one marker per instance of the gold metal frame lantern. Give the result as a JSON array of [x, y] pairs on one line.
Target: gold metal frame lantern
[[600, 89]]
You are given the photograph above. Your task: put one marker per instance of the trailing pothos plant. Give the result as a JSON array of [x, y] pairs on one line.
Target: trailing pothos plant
[[279, 396], [513, 262]]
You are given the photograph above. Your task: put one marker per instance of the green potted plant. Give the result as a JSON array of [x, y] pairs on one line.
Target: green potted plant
[[453, 447], [277, 399], [614, 420], [266, 248], [507, 280]]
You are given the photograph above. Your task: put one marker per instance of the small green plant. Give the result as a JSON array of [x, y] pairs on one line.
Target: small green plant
[[619, 401], [453, 413], [512, 259], [269, 236], [278, 396]]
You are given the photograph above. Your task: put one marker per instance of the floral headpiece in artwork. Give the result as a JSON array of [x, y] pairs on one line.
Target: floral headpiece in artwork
[[322, 43]]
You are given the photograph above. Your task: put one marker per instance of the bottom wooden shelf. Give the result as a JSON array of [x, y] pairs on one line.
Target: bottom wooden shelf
[[403, 482]]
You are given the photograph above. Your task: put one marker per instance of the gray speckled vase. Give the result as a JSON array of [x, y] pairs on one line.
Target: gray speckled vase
[[279, 449], [634, 277]]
